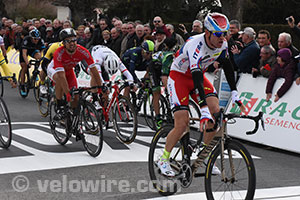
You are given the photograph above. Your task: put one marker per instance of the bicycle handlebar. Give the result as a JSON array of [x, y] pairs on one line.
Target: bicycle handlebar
[[229, 116]]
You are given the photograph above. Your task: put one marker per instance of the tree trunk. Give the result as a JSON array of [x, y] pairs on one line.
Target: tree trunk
[[233, 9]]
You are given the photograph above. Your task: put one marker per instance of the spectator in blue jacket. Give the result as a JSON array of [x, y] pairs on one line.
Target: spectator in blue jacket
[[248, 57]]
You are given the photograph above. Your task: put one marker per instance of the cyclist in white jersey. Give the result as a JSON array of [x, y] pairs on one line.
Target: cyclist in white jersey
[[187, 78], [108, 63]]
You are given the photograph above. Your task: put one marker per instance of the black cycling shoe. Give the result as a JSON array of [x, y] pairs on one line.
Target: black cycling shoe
[[60, 114]]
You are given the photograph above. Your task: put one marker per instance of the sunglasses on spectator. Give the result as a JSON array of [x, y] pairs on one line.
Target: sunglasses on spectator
[[70, 40], [158, 21], [219, 33]]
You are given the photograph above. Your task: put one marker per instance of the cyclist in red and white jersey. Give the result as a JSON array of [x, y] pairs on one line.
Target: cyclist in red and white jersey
[[65, 59], [187, 78]]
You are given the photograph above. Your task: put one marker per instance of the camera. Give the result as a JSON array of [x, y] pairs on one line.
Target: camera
[[289, 19]]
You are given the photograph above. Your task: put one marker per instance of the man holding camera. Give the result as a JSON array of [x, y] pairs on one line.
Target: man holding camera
[[197, 28]]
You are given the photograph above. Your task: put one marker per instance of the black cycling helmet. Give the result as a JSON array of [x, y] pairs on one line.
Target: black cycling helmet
[[66, 33], [34, 33]]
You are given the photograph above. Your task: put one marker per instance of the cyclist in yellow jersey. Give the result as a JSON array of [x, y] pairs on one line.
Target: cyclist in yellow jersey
[[4, 63], [46, 60]]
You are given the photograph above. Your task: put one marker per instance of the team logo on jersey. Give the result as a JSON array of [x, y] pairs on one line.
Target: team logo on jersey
[[197, 50]]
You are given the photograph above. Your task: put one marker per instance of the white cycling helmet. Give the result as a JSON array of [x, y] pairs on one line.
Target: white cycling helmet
[[216, 22], [111, 64]]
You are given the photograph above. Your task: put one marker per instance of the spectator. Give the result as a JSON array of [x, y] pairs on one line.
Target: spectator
[[9, 37], [234, 38], [124, 30], [106, 38], [286, 68], [116, 40], [160, 36], [285, 41], [131, 36], [114, 20], [118, 24], [97, 33], [80, 35], [197, 28], [175, 36], [43, 21], [139, 32], [56, 29], [248, 57], [264, 38], [42, 29], [147, 29], [48, 23], [158, 23], [267, 60], [67, 24], [18, 37], [49, 36], [88, 35], [291, 22]]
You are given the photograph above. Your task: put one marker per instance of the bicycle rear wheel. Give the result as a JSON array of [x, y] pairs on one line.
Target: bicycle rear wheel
[[240, 179], [125, 120], [26, 84], [5, 125], [58, 128], [91, 129], [164, 185]]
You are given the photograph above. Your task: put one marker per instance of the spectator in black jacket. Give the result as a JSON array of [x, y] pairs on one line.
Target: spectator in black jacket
[[115, 44], [197, 28], [56, 30]]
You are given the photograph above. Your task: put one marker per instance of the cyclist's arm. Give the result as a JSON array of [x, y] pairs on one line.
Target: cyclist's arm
[[94, 72], [131, 67], [229, 72], [126, 73], [45, 63]]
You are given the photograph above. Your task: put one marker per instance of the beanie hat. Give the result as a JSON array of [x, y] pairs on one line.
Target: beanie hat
[[285, 54]]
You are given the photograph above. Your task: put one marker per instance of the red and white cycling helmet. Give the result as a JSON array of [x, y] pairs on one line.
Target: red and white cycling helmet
[[216, 22]]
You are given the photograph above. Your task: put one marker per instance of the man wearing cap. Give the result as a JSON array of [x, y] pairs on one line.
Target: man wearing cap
[[160, 36], [248, 57]]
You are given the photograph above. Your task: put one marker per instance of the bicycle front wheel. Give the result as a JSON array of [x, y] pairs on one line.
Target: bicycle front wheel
[[125, 120], [164, 185], [5, 125], [240, 179], [91, 129], [43, 102], [58, 127]]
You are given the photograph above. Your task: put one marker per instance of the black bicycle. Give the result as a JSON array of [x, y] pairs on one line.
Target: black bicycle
[[6, 78], [237, 179], [30, 81], [83, 121], [5, 125]]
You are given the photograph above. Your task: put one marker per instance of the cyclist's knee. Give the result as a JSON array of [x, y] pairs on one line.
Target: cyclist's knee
[[181, 120]]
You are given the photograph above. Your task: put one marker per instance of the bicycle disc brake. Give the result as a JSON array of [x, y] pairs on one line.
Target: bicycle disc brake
[[187, 178]]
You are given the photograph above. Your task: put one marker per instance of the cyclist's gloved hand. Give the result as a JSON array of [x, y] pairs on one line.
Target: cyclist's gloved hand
[[6, 60], [235, 98], [205, 117]]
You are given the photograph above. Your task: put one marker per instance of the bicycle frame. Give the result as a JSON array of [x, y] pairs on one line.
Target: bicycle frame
[[114, 99]]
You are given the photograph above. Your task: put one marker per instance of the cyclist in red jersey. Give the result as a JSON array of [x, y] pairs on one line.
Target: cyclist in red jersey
[[187, 78], [65, 59]]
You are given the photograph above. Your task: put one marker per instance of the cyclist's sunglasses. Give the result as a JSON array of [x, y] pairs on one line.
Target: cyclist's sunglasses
[[35, 38], [219, 33], [70, 40]]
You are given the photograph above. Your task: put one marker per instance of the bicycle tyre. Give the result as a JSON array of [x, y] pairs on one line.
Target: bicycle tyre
[[243, 163], [5, 124], [1, 85], [91, 129], [165, 186], [58, 128], [43, 102], [149, 115], [125, 120], [26, 83]]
